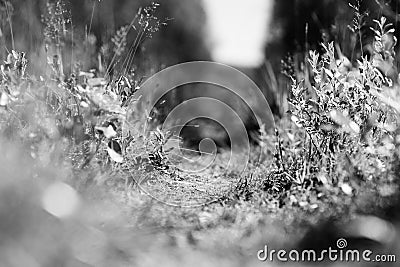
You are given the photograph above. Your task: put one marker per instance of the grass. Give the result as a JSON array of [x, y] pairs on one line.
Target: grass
[[336, 159]]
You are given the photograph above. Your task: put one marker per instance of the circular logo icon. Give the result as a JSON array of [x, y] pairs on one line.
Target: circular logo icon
[[341, 243], [200, 176]]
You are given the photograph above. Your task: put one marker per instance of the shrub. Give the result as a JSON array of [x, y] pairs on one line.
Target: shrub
[[343, 121]]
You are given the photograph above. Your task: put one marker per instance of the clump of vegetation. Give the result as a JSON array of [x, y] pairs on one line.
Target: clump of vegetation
[[342, 128]]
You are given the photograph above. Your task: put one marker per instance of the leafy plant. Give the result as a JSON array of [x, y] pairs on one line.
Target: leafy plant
[[340, 120]]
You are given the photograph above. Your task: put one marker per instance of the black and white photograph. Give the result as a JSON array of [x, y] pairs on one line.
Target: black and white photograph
[[204, 133]]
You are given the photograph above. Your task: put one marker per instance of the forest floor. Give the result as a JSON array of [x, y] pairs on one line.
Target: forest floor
[[230, 229]]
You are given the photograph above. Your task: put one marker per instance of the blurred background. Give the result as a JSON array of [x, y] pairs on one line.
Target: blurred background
[[253, 36], [198, 30]]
